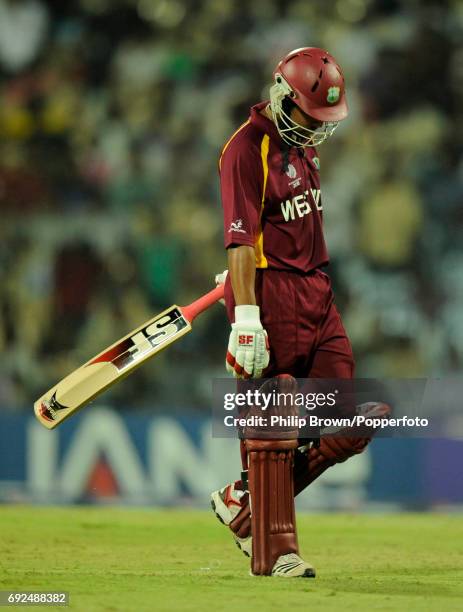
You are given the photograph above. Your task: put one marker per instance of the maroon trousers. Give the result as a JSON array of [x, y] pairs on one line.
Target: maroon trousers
[[305, 332]]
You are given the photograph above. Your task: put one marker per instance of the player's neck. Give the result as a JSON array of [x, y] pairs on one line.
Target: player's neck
[[267, 112]]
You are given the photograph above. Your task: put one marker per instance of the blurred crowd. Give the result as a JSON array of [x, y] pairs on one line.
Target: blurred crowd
[[112, 117]]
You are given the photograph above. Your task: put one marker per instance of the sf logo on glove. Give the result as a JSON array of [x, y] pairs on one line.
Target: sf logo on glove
[[246, 340], [248, 352]]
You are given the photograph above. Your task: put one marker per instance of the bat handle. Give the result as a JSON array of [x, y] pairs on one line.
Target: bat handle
[[195, 308]]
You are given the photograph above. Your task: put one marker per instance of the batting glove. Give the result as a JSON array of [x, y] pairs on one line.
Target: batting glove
[[248, 351], [220, 280]]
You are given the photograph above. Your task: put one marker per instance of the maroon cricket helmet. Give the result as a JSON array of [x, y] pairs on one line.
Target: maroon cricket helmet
[[316, 82]]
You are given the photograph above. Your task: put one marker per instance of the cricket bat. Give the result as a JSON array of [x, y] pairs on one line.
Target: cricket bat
[[118, 360]]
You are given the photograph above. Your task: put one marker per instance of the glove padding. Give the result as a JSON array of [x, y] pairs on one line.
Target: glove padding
[[220, 280], [248, 351]]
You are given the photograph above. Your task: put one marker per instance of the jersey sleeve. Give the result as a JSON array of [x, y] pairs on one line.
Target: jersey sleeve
[[241, 184]]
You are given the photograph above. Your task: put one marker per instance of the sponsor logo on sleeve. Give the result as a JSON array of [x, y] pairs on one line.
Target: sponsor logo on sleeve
[[237, 226]]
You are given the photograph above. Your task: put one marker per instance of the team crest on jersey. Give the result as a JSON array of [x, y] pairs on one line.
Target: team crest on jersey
[[316, 162], [333, 95]]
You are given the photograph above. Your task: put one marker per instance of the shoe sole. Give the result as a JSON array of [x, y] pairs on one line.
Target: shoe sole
[[308, 573], [214, 509]]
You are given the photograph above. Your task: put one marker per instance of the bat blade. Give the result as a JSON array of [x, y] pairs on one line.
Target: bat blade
[[120, 359], [110, 366]]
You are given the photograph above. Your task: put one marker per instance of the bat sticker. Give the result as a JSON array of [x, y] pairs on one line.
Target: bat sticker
[[49, 409], [150, 337]]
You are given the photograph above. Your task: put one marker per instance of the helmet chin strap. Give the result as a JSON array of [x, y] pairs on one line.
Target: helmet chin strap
[[290, 131]]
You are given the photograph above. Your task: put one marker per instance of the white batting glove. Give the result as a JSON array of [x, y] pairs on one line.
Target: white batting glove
[[248, 351], [220, 280]]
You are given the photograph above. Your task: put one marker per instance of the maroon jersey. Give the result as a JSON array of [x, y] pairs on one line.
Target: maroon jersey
[[271, 197]]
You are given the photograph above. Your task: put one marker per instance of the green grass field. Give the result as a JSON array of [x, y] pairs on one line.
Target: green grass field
[[127, 559]]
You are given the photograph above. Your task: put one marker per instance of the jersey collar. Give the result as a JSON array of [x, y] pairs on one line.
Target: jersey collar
[[263, 123]]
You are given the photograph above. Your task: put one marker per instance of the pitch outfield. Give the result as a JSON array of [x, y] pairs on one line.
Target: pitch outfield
[[124, 559]]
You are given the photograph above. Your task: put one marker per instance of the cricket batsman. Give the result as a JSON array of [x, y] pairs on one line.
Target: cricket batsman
[[278, 298]]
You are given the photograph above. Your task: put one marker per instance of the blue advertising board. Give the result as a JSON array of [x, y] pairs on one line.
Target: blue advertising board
[[136, 457]]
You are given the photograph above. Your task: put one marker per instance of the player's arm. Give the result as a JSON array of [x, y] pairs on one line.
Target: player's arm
[[241, 183], [248, 351], [242, 270]]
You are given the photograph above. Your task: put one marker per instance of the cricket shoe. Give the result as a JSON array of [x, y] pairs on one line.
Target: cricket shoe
[[226, 503], [292, 566]]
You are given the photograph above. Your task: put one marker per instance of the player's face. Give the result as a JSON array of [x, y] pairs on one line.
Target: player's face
[[305, 120], [297, 128]]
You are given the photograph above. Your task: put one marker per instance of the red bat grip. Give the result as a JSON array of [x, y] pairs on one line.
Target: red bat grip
[[195, 308]]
